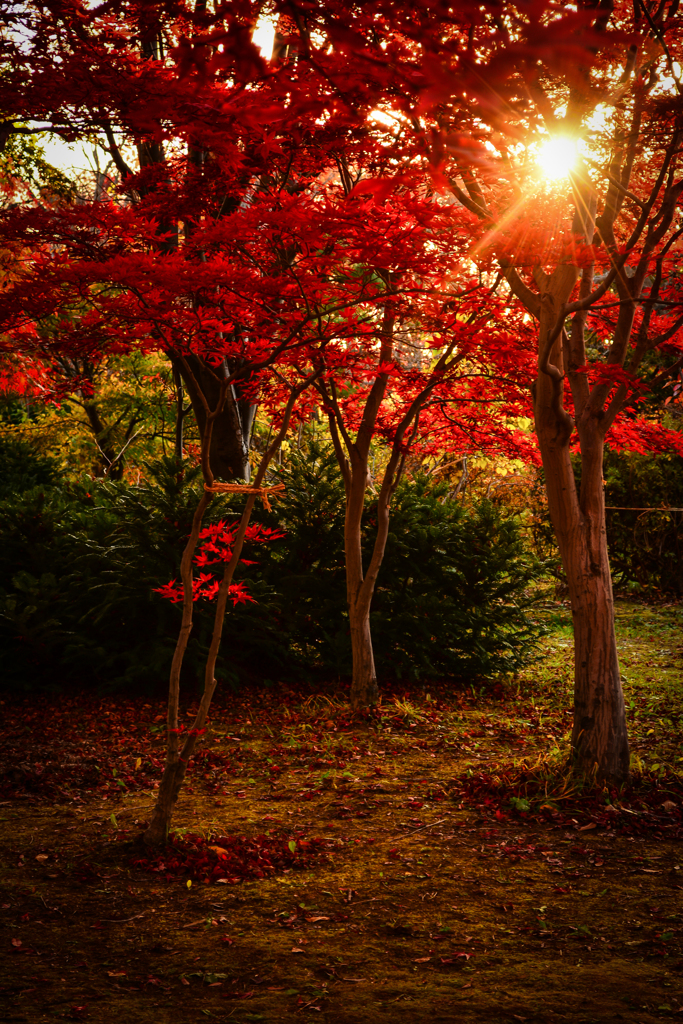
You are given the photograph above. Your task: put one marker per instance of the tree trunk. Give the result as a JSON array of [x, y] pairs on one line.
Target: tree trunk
[[230, 439], [177, 759], [360, 586], [176, 762], [364, 689], [181, 413], [109, 464], [156, 833], [599, 737]]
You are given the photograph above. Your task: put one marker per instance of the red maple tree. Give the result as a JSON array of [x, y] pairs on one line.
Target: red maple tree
[[421, 376], [230, 249], [592, 260]]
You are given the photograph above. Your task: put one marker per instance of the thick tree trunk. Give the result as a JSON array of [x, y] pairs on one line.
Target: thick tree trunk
[[599, 737], [230, 439], [109, 465]]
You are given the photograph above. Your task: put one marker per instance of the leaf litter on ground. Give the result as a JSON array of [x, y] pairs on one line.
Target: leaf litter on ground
[[431, 854]]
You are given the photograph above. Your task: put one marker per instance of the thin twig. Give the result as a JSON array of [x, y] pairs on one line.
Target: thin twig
[[123, 920], [405, 835]]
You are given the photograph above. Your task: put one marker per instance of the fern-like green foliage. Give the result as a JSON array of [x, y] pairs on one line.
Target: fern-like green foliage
[[22, 467]]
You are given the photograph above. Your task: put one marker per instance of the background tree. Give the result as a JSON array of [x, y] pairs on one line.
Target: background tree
[[596, 271], [418, 372]]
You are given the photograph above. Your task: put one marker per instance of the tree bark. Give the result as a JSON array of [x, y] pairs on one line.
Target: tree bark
[[181, 413], [176, 759], [171, 783], [109, 464], [230, 439], [599, 737], [359, 590], [364, 688]]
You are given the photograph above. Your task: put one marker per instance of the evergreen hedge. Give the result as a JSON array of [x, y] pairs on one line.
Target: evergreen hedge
[[79, 564]]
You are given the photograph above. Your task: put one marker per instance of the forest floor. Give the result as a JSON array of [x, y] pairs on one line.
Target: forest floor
[[429, 862]]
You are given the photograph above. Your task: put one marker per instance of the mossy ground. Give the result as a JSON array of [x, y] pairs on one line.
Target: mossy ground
[[427, 907]]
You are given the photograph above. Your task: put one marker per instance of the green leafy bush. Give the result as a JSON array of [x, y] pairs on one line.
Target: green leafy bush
[[455, 589], [306, 567], [453, 594], [21, 467], [78, 569], [645, 547]]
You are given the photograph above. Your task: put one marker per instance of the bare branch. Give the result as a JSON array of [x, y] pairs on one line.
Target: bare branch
[[529, 300]]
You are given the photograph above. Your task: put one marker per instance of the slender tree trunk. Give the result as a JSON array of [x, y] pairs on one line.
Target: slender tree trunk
[[174, 770], [359, 589], [353, 459], [176, 759], [360, 586], [181, 412]]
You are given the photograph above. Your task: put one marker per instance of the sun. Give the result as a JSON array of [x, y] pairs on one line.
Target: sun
[[557, 157]]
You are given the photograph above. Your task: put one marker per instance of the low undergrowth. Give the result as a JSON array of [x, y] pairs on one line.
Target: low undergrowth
[[648, 802]]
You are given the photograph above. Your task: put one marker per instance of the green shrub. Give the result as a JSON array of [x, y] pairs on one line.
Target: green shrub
[[455, 589], [78, 569], [21, 467], [645, 547], [306, 568], [453, 592]]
